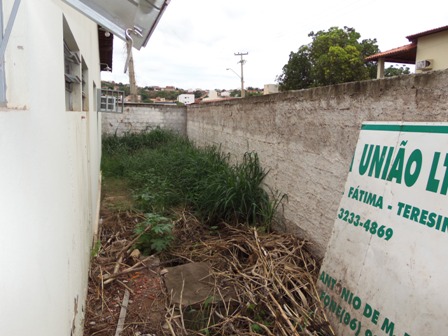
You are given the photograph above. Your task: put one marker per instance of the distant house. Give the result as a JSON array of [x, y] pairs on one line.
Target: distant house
[[170, 88], [212, 95], [428, 50], [128, 99], [270, 88], [186, 99]]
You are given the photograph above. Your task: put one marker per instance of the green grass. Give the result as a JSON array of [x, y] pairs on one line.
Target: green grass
[[115, 194], [166, 171]]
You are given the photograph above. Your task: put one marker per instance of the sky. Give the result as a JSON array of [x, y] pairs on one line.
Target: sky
[[195, 40]]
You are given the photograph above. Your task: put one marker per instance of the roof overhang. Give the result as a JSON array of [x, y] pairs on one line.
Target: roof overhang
[[106, 46], [120, 16], [405, 54], [413, 38]]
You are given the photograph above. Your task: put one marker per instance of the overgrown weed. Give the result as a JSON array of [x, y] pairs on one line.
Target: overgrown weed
[[167, 171], [156, 234]]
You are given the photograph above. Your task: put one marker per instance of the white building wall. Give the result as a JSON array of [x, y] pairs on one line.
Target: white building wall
[[434, 47], [186, 99], [49, 173], [270, 88]]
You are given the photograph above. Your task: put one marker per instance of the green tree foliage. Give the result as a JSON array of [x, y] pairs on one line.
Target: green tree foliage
[[198, 93], [334, 56], [145, 96], [235, 93], [393, 71], [124, 87]]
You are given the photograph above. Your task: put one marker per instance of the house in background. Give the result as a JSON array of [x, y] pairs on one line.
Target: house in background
[[270, 88], [225, 94], [212, 95], [129, 98], [428, 50], [186, 98], [50, 150]]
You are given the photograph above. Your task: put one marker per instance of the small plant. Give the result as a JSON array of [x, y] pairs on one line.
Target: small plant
[[95, 249], [156, 234], [260, 318], [255, 327]]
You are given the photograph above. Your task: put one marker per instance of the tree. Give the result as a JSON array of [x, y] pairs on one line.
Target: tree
[[198, 94], [297, 72], [392, 71], [334, 56], [235, 93], [145, 96]]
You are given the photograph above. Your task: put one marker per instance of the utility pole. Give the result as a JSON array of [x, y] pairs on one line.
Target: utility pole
[[132, 83], [130, 62], [242, 61]]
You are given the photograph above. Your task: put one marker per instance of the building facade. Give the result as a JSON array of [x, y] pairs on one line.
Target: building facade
[[186, 98], [50, 150], [427, 50]]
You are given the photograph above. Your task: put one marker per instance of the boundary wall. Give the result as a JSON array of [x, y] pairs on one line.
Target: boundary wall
[[307, 138], [138, 117]]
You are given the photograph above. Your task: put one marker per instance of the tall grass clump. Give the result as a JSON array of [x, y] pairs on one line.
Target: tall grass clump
[[236, 193], [117, 150], [166, 171]]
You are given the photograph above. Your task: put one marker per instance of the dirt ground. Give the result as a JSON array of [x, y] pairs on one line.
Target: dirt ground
[[267, 272], [147, 301]]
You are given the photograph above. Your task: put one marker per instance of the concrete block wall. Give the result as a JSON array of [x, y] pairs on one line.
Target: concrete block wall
[[307, 138], [138, 118]]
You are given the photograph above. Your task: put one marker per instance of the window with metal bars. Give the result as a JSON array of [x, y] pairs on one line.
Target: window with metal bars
[[72, 79], [84, 86]]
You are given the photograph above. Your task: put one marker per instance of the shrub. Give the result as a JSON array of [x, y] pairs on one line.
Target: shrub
[[156, 234]]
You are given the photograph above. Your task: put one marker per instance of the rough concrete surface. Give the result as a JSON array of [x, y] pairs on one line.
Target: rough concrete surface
[[189, 284], [306, 138], [138, 118]]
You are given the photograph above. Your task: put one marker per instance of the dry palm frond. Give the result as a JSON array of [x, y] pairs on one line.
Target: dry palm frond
[[273, 277]]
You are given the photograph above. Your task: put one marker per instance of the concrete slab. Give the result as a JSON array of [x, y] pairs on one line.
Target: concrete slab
[[193, 283], [190, 283]]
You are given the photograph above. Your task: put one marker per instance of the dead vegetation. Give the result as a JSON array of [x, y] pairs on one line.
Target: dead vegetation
[[270, 277], [208, 277]]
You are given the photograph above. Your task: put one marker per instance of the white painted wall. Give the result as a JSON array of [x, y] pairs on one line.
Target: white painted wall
[[270, 88], [49, 173], [434, 47], [186, 98]]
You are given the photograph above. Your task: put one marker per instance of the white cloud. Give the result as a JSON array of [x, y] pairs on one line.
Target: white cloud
[[195, 40]]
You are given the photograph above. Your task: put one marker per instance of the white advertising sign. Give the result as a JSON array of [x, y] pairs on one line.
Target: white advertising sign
[[384, 272]]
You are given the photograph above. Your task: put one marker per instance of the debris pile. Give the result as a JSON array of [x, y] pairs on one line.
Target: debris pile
[[126, 295], [270, 277], [221, 280]]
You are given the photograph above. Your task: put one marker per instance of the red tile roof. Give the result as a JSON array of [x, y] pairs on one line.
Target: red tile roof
[[414, 37], [405, 54]]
